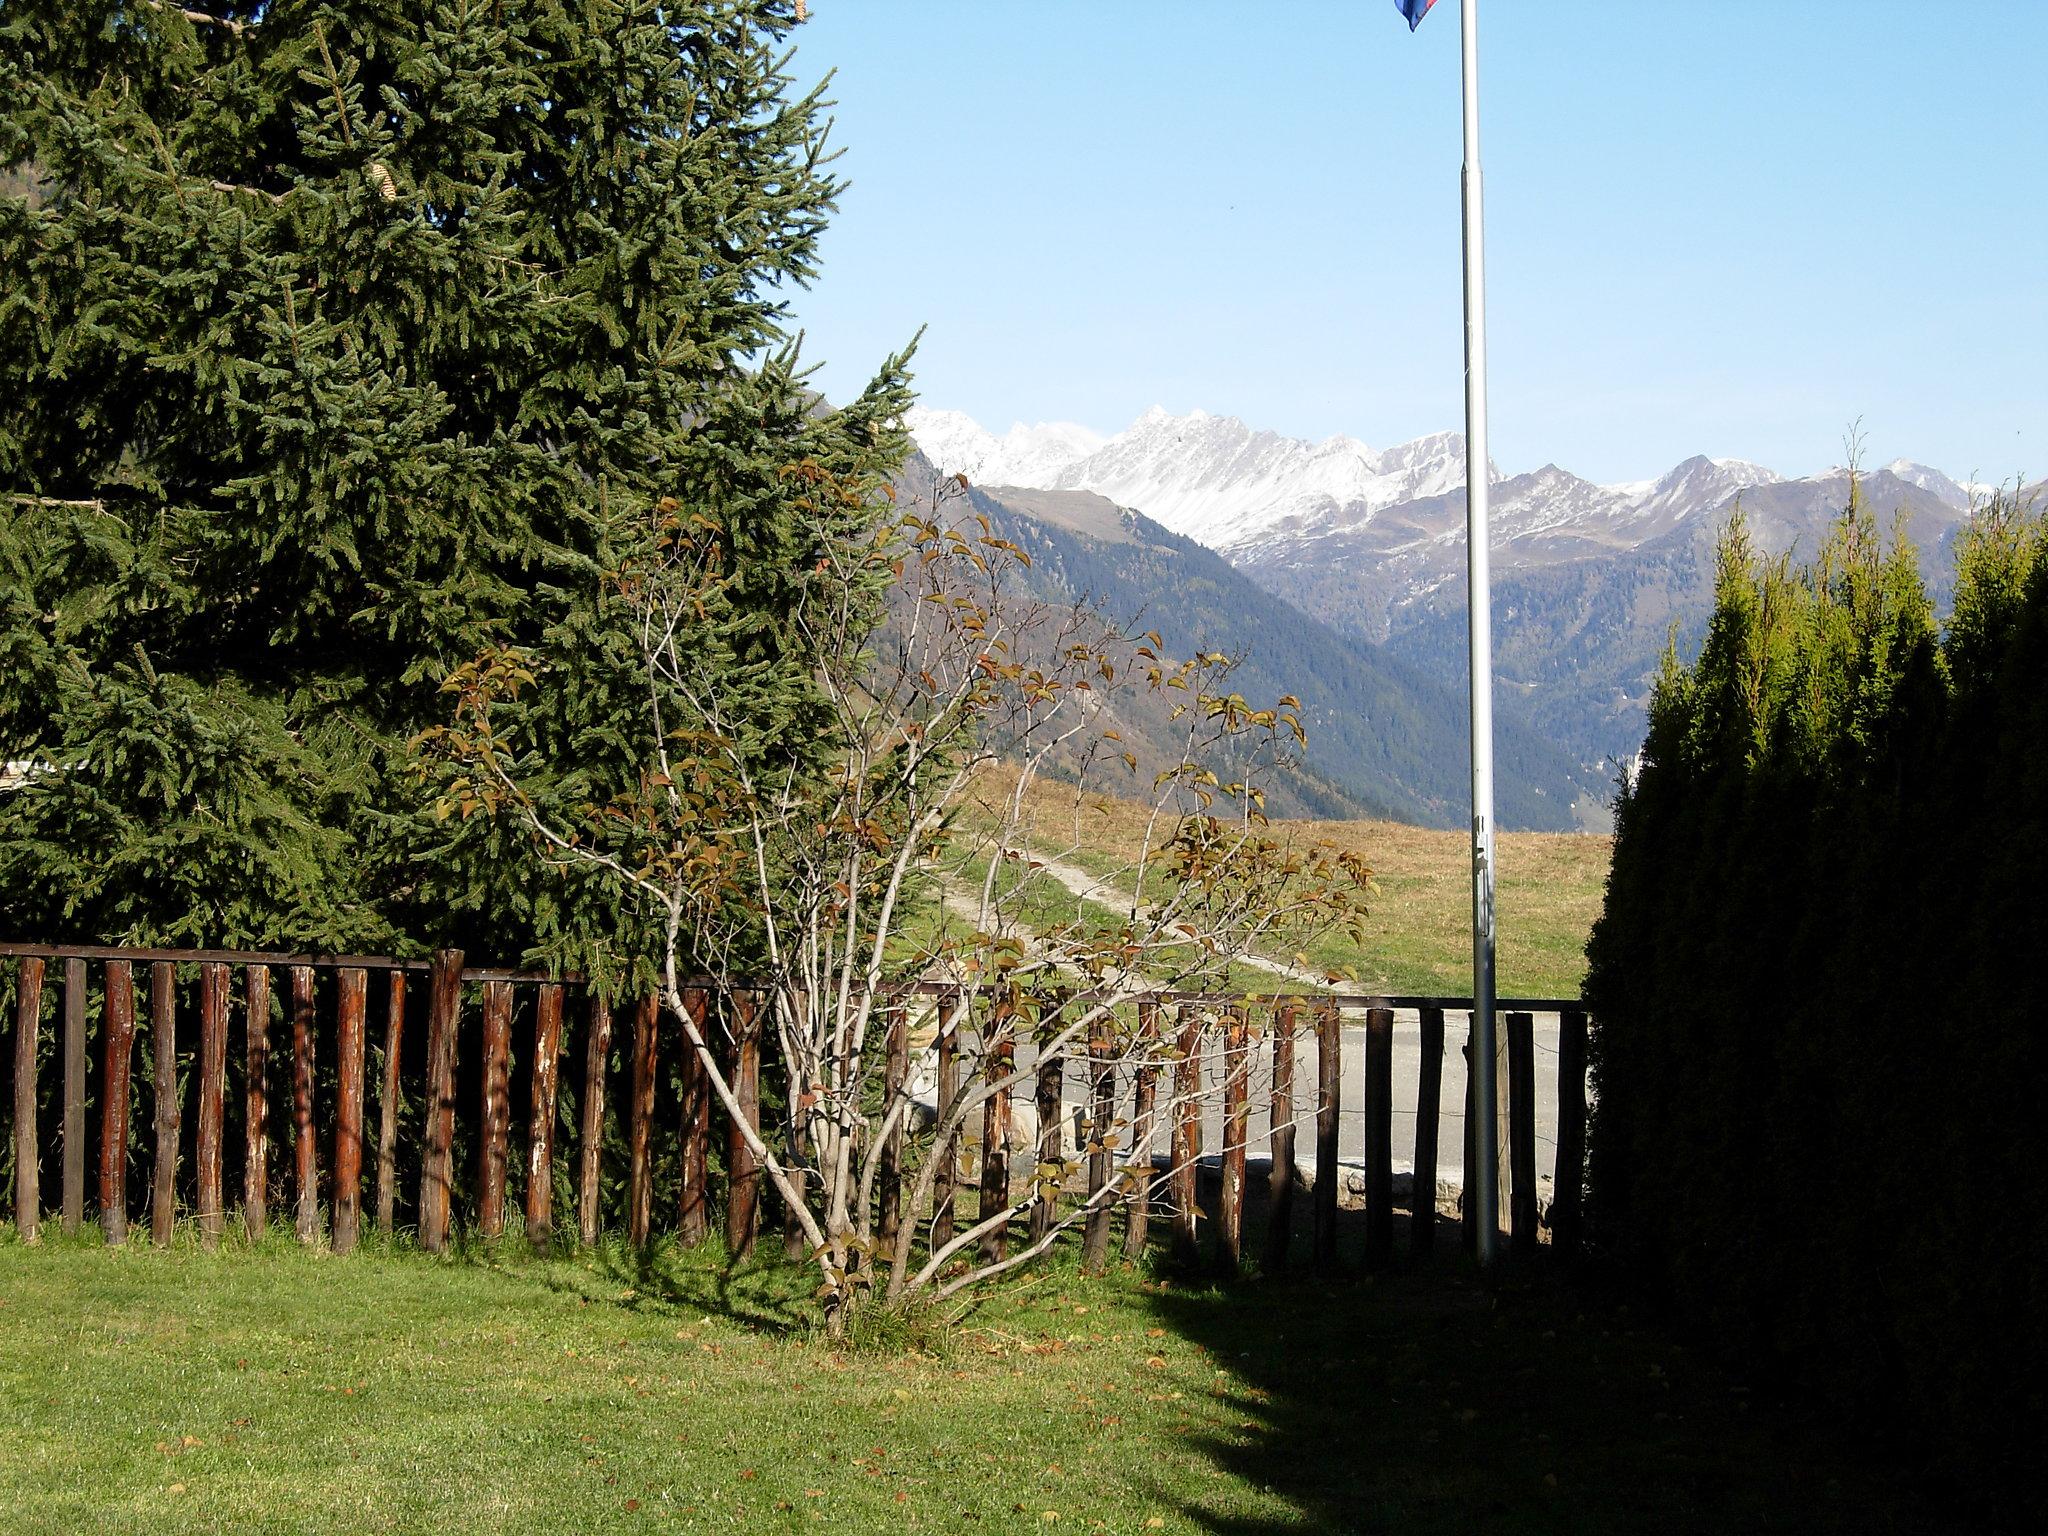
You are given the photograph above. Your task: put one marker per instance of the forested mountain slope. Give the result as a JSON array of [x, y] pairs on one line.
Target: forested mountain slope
[[1385, 738]]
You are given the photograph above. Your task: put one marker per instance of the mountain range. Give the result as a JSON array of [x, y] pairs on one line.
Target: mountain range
[[1590, 581], [1386, 738]]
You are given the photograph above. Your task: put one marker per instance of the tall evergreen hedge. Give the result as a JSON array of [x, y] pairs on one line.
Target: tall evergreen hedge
[[1818, 1056]]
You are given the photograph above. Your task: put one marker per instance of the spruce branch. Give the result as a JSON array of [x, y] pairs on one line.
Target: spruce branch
[[334, 85], [201, 18], [24, 498], [235, 186]]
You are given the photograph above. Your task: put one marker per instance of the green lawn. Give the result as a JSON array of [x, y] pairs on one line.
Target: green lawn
[[278, 1390]]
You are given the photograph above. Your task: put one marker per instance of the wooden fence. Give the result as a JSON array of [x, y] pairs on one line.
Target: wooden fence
[[432, 1045]]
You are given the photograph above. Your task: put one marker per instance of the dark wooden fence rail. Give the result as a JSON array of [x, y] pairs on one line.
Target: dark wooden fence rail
[[497, 1037]]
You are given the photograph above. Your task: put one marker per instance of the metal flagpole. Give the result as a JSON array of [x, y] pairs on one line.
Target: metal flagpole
[[1481, 1180]]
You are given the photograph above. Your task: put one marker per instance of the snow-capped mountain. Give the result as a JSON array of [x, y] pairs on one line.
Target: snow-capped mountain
[[1588, 579], [1024, 455], [1236, 488], [1213, 478], [1222, 483], [1934, 482]]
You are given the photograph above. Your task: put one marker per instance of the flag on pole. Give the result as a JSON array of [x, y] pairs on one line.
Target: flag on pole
[[1414, 10]]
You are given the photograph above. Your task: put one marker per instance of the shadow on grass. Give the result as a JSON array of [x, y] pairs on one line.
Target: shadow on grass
[[1432, 1399], [1426, 1398], [764, 1293]]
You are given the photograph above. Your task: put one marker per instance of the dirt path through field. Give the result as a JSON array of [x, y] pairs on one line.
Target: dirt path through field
[[1102, 890]]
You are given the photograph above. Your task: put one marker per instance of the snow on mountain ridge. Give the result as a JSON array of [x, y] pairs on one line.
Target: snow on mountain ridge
[[1218, 480], [1237, 488], [1932, 481], [1213, 478], [1025, 455]]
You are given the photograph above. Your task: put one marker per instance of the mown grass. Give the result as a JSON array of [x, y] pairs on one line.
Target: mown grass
[[274, 1389], [1419, 931]]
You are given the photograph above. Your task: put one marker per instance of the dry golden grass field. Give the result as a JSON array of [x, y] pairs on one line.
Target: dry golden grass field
[[1419, 933]]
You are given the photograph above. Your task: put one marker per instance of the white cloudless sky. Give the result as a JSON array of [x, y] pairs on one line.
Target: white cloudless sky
[[1713, 226]]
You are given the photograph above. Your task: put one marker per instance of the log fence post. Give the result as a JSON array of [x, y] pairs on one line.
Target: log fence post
[[163, 1044], [946, 1182], [1503, 1137], [597, 1052], [213, 1066], [388, 1103], [889, 1175], [1048, 1084], [352, 989], [640, 1113], [494, 1110], [540, 1126], [1280, 1142], [1144, 1101], [999, 1059], [1236, 1118], [305, 1145], [28, 1026], [1187, 1144], [74, 1098], [743, 1169], [1379, 1135], [795, 1242], [1567, 1229], [117, 1040], [1429, 1093], [1329, 1088], [437, 1158], [1101, 1155], [1522, 1131], [256, 1100], [693, 1211]]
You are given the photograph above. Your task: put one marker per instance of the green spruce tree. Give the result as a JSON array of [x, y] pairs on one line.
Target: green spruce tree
[[342, 345]]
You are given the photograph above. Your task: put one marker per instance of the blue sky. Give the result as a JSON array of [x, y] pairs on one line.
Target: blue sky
[[1718, 226]]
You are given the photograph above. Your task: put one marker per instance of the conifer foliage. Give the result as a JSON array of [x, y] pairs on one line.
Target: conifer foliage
[[342, 344], [1818, 1055]]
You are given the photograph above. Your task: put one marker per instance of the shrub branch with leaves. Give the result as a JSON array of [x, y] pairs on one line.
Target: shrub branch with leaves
[[902, 873]]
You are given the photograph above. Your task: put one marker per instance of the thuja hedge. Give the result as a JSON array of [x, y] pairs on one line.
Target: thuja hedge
[[1818, 1062]]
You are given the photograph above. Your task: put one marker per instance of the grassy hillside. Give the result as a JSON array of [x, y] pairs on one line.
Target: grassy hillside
[[1420, 931], [1549, 891]]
